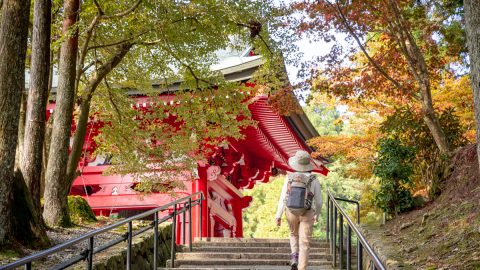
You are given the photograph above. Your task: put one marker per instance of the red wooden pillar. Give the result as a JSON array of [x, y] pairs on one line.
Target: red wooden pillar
[[237, 213], [195, 213], [202, 185], [178, 230]]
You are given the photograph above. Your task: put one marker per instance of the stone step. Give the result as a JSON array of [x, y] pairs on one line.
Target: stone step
[[242, 255], [283, 249], [247, 254], [243, 267], [314, 244], [244, 262], [245, 240]]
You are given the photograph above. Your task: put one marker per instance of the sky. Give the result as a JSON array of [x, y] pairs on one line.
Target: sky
[[309, 49]]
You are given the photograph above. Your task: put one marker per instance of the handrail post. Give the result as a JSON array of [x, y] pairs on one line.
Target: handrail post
[[340, 243], [358, 213], [331, 226], [201, 215], [190, 224], [349, 247], [328, 218], [334, 249], [184, 226], [155, 240], [359, 256], [90, 254], [174, 228], [28, 266], [129, 246]]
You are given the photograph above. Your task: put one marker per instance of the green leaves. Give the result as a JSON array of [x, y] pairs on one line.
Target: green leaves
[[175, 45], [393, 160], [409, 128], [394, 168]]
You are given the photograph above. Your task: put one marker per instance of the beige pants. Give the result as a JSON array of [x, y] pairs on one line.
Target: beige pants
[[301, 228]]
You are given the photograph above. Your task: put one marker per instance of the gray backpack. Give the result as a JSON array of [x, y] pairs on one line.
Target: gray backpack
[[299, 196]]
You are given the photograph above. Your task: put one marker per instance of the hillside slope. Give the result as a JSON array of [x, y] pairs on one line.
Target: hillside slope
[[445, 234]]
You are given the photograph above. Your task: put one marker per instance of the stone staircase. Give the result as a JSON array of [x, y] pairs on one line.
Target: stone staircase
[[247, 254]]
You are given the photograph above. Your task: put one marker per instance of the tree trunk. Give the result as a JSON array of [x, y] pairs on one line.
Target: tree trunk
[[55, 210], [21, 129], [27, 217], [419, 70], [46, 150], [431, 120], [13, 46], [83, 117], [31, 163], [472, 17]]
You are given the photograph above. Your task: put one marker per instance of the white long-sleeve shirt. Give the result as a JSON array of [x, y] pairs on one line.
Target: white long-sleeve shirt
[[317, 197]]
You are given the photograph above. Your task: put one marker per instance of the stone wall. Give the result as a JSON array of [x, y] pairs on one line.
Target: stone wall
[[372, 237], [115, 257]]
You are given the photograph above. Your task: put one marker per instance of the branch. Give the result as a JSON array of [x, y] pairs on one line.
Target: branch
[[255, 29], [84, 50], [190, 69], [413, 52], [100, 11], [149, 43], [107, 67], [90, 64], [415, 61], [266, 44], [126, 12], [100, 16], [114, 43], [110, 98], [370, 59]]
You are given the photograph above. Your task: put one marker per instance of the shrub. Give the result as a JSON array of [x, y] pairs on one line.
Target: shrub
[[428, 165], [394, 169], [80, 211]]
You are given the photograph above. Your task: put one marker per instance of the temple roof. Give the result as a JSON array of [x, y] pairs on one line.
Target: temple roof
[[240, 66], [277, 137]]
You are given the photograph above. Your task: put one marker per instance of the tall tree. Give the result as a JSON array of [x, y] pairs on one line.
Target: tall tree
[[112, 60], [13, 46], [145, 35], [56, 207], [472, 17], [31, 163], [401, 32]]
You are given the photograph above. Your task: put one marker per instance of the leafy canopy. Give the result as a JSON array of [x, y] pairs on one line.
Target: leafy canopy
[[175, 45]]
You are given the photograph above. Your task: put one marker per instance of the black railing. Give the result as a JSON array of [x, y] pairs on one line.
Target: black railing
[[180, 206], [335, 226]]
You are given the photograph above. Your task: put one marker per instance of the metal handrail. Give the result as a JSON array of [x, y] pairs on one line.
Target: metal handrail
[[354, 202], [335, 212], [188, 202]]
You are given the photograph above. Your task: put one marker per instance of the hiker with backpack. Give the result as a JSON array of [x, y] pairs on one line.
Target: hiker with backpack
[[301, 199]]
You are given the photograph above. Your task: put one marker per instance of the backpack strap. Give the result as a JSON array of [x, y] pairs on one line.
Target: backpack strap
[[310, 180], [289, 183]]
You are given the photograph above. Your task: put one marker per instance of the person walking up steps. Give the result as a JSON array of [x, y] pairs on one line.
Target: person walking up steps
[[301, 199]]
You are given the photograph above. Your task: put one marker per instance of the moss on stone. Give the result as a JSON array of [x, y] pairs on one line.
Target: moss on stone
[[7, 255], [80, 211]]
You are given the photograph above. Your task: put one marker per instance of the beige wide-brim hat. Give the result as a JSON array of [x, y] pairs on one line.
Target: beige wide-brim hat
[[301, 161]]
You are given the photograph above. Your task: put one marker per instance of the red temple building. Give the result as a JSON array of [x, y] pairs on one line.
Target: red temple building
[[241, 164]]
